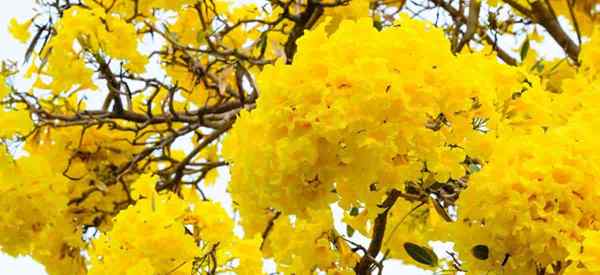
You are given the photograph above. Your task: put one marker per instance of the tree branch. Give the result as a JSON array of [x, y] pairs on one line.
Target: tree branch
[[364, 265], [543, 15], [307, 19]]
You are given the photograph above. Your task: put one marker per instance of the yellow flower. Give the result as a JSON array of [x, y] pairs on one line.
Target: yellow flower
[[448, 165], [587, 253], [4, 90], [144, 187], [20, 31]]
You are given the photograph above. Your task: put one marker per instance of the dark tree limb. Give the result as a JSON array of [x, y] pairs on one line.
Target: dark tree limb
[[459, 17], [269, 228], [307, 20], [543, 14], [363, 267]]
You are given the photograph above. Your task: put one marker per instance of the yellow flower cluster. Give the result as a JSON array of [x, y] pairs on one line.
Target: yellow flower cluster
[[586, 255], [370, 114], [15, 121], [354, 10], [91, 163], [362, 112], [65, 181], [87, 30], [35, 219], [20, 31], [304, 246], [534, 209], [192, 235], [534, 203]]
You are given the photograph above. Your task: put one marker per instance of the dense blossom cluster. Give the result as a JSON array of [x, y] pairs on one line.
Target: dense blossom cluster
[[93, 30], [335, 114], [57, 190], [165, 219], [348, 128], [546, 200], [369, 116], [305, 245]]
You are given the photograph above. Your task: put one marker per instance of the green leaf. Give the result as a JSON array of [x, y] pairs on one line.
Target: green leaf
[[524, 49], [423, 255], [354, 211], [481, 252], [378, 25], [349, 230]]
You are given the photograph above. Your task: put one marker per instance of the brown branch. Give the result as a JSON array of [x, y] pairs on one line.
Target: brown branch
[[543, 15], [472, 24], [571, 5], [509, 60], [520, 8], [306, 20], [268, 229], [459, 17], [364, 265], [113, 85], [179, 170]]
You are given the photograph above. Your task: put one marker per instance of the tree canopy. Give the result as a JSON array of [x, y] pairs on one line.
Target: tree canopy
[[303, 136]]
